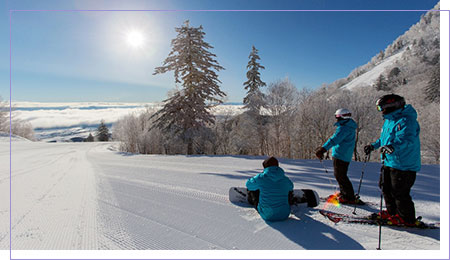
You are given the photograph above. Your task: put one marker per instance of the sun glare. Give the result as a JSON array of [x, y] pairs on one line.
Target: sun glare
[[135, 39]]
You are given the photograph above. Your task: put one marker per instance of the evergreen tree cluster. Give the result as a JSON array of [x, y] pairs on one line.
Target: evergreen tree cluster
[[102, 132]]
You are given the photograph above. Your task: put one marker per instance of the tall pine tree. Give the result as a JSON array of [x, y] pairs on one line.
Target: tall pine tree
[[187, 111], [255, 98]]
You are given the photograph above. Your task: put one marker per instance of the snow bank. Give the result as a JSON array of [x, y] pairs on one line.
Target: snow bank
[[4, 137]]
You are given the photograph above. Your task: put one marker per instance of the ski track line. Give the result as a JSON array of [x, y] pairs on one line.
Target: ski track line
[[124, 194], [151, 243], [112, 233], [38, 200], [55, 231], [179, 190], [181, 212], [73, 230], [184, 163], [61, 233], [87, 226], [36, 167], [223, 233], [114, 229]]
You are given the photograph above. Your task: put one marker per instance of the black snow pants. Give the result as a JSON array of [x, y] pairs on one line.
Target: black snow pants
[[340, 173], [396, 187], [253, 197]]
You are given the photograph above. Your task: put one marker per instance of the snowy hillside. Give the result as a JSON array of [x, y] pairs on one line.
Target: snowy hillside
[[413, 54], [89, 196], [368, 79]]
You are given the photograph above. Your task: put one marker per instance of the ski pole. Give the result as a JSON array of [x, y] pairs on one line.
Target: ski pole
[[329, 178], [383, 156], [366, 159]]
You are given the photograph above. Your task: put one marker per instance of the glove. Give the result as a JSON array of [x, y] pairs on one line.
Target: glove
[[387, 149], [319, 152], [368, 149]]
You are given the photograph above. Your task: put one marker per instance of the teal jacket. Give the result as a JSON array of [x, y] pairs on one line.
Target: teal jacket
[[343, 140], [401, 130], [274, 189]]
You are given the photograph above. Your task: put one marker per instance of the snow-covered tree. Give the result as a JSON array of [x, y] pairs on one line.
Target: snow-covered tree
[[381, 83], [22, 128], [18, 127], [90, 138], [255, 98], [102, 132], [314, 122], [432, 90], [282, 103], [4, 116], [194, 66]]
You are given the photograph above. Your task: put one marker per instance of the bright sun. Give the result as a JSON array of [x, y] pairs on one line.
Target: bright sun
[[135, 39]]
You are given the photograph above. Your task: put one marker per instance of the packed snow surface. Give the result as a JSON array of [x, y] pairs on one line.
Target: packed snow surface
[[90, 196]]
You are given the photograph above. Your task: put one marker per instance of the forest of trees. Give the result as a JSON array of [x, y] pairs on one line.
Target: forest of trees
[[280, 120]]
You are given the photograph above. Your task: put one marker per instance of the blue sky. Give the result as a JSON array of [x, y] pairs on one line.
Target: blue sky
[[84, 56]]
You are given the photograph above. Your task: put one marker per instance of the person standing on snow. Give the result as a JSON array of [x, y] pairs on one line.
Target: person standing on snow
[[343, 144], [269, 191], [399, 144]]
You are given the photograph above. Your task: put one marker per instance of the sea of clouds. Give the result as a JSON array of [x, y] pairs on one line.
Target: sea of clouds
[[55, 122]]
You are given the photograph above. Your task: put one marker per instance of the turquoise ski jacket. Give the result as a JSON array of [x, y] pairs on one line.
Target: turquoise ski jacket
[[401, 130], [274, 187], [343, 140]]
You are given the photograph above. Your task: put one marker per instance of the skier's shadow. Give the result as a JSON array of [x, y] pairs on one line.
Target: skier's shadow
[[314, 235]]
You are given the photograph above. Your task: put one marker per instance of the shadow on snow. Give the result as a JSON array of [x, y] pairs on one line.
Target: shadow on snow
[[314, 235]]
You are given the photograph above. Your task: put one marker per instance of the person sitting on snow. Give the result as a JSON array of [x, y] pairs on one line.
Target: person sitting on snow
[[269, 191]]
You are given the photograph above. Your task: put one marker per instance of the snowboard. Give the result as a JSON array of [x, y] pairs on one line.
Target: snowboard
[[372, 220], [238, 195]]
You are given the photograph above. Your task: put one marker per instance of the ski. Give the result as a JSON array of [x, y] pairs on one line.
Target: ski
[[372, 220], [366, 203]]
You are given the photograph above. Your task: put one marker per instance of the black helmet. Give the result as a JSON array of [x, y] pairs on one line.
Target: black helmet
[[271, 161], [389, 103]]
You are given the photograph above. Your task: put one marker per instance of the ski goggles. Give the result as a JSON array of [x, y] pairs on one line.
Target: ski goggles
[[379, 108]]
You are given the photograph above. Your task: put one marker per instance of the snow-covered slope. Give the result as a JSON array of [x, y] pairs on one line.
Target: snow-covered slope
[[88, 196], [414, 53], [368, 79]]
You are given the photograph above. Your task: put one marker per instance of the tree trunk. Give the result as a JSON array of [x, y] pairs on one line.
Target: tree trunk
[[190, 146]]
